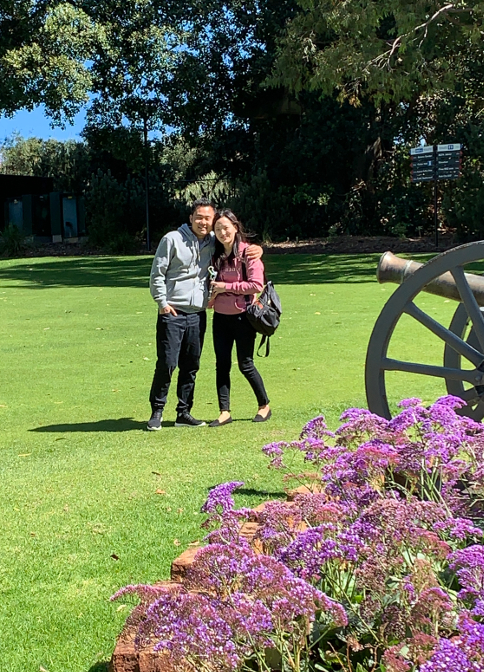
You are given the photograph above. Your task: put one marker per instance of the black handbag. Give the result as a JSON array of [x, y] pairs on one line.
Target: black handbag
[[265, 313]]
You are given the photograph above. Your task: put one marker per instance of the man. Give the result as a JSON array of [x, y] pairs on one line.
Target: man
[[179, 285]]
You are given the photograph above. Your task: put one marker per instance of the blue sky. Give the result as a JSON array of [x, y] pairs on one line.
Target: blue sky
[[36, 124]]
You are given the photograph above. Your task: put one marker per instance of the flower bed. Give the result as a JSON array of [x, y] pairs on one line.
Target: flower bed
[[380, 568]]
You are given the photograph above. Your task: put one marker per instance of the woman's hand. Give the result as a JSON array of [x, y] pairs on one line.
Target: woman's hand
[[217, 288]]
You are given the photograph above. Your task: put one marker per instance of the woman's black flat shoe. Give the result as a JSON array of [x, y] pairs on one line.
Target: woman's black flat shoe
[[217, 423], [261, 418]]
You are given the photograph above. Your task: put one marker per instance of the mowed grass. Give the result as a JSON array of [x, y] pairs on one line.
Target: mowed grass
[[90, 501]]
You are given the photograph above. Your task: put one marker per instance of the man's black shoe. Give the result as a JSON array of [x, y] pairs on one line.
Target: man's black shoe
[[187, 420], [154, 423]]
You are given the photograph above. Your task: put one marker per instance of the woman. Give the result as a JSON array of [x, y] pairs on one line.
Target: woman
[[238, 280]]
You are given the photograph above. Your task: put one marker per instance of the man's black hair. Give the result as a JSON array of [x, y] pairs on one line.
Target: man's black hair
[[203, 203]]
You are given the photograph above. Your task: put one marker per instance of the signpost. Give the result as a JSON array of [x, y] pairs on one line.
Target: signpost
[[434, 163]]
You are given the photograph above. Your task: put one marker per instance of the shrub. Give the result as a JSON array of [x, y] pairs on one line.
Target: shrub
[[464, 202], [379, 568], [12, 241], [264, 209], [116, 211], [122, 243]]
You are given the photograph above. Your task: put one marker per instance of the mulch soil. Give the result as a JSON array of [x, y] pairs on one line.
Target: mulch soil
[[361, 245], [336, 245]]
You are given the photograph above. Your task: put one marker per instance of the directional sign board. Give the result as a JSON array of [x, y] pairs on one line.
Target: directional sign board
[[419, 151], [439, 162], [449, 161], [423, 164], [431, 164]]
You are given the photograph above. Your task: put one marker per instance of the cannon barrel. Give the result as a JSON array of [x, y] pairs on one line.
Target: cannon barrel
[[395, 269]]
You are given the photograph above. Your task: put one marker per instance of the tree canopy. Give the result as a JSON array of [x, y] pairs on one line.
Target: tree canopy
[[388, 50], [133, 72], [44, 50], [300, 113]]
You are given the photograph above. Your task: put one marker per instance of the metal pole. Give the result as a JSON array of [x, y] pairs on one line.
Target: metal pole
[[147, 184], [436, 217]]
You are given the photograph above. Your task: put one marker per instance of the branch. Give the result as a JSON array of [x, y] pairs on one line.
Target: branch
[[395, 46], [385, 58], [448, 9]]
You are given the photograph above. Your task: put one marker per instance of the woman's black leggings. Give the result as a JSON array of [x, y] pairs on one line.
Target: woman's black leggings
[[227, 330]]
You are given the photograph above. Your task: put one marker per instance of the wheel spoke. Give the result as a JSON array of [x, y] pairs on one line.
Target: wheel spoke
[[470, 303], [456, 343], [470, 395], [473, 377], [477, 412]]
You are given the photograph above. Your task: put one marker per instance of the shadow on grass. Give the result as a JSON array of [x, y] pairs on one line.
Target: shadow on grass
[[99, 667], [295, 269], [134, 271], [308, 269], [79, 272], [252, 492], [111, 425], [119, 425]]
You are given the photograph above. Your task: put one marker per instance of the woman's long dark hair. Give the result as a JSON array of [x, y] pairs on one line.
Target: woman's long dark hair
[[220, 256]]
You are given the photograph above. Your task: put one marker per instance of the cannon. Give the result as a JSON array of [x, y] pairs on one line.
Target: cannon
[[462, 366]]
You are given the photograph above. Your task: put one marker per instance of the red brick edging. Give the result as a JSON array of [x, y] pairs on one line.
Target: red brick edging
[[127, 658]]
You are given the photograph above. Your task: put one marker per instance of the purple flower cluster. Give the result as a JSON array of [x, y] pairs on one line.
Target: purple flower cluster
[[279, 524], [463, 653], [394, 534], [468, 564], [228, 569], [222, 516], [409, 652], [275, 451], [433, 608], [315, 508], [308, 554], [220, 498], [316, 429], [234, 602], [398, 496], [196, 629], [432, 453]]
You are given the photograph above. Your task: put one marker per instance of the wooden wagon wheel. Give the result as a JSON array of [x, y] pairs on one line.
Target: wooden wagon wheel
[[468, 384]]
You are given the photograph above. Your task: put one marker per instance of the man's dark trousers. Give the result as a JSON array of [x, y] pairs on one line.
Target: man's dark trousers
[[179, 342]]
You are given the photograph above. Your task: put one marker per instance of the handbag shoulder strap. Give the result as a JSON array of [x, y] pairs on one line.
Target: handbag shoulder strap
[[247, 297], [267, 340], [244, 267]]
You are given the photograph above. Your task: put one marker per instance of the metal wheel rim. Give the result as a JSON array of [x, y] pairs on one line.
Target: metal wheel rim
[[452, 359], [395, 307]]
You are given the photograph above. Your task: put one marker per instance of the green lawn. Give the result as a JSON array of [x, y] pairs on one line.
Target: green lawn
[[80, 513]]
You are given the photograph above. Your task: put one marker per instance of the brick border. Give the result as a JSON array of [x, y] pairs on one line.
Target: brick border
[[126, 657]]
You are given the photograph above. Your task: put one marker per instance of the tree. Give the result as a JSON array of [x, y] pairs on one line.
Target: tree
[[134, 68], [44, 49], [387, 50], [68, 162]]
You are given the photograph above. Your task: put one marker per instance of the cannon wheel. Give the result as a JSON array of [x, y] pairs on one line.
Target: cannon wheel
[[474, 395], [456, 347]]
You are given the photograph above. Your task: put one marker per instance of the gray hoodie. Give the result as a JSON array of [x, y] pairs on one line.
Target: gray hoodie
[[180, 269]]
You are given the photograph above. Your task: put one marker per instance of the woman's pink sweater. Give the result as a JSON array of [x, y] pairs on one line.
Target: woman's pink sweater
[[232, 301]]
